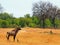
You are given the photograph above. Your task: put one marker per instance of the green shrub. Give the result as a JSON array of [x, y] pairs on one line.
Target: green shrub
[[48, 23]]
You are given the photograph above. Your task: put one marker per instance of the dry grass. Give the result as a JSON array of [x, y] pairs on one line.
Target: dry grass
[[31, 36]]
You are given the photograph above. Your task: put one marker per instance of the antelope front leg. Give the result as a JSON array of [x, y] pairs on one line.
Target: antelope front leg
[[14, 37], [8, 36]]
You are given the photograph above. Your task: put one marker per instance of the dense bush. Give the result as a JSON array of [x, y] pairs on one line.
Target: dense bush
[[8, 21], [47, 23], [57, 22]]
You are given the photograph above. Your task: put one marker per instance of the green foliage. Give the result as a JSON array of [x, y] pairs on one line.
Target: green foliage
[[5, 16], [7, 20], [0, 22], [35, 20], [48, 23], [57, 22], [12, 26], [16, 21], [22, 21], [28, 21], [32, 25], [27, 16], [4, 24]]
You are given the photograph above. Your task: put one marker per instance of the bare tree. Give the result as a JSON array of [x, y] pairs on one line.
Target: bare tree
[[44, 10], [52, 15], [58, 14]]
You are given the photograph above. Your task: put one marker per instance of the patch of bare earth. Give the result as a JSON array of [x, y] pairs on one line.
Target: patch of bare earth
[[31, 36]]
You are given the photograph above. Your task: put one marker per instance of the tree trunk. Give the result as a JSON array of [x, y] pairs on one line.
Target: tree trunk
[[53, 22], [43, 23]]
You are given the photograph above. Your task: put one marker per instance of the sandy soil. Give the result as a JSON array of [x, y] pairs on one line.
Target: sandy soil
[[31, 36]]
